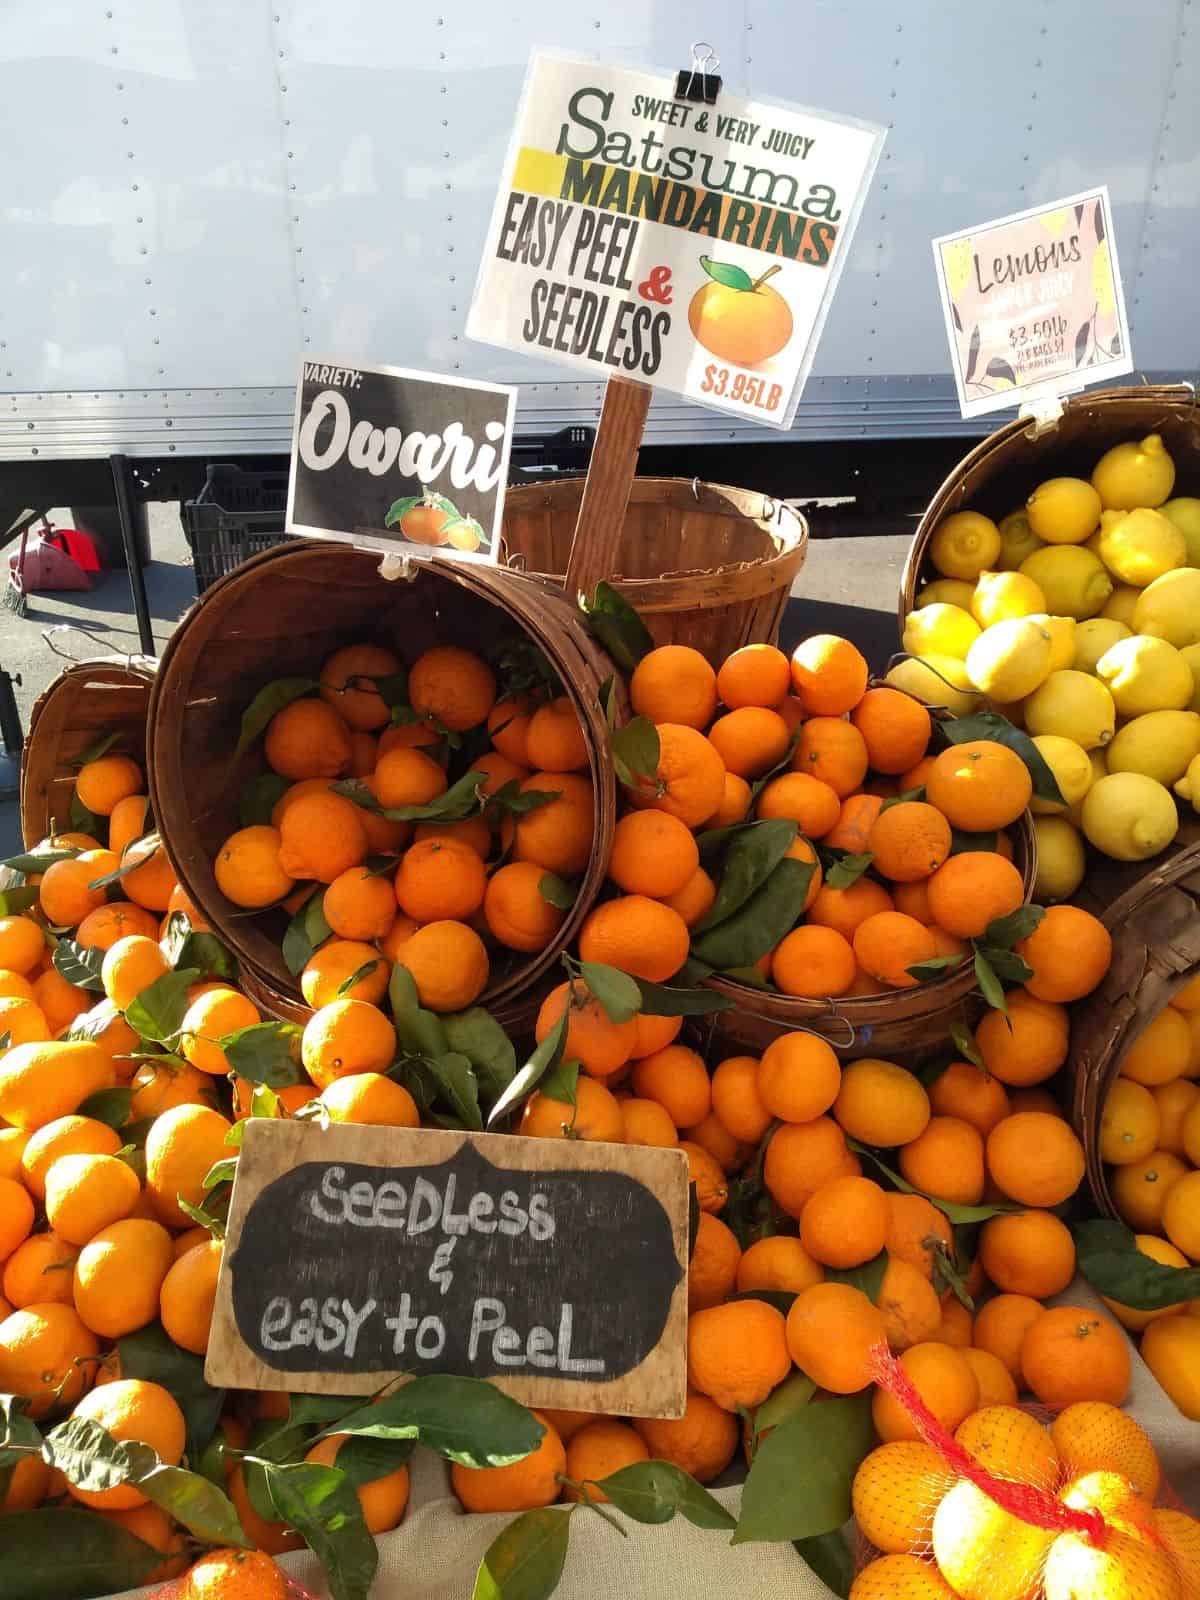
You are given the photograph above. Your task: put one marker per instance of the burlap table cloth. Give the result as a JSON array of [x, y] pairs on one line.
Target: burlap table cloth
[[435, 1552]]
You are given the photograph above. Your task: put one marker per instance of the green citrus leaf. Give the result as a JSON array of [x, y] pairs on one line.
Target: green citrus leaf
[[726, 272]]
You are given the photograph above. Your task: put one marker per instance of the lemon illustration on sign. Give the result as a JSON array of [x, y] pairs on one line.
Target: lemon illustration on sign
[[940, 630], [1001, 596], [1009, 659], [1145, 674], [1074, 580], [1169, 608], [1017, 540], [739, 318], [965, 544], [1061, 859], [1159, 745], [1102, 280], [1063, 510], [1129, 817], [1136, 473], [1140, 545], [1185, 514], [1072, 770], [1093, 638], [1074, 705], [956, 258]]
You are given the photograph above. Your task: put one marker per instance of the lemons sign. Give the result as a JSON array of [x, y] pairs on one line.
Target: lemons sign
[[688, 246], [1033, 304]]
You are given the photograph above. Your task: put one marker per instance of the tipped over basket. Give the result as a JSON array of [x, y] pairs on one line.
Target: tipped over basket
[[703, 564], [105, 696], [1153, 914], [282, 614]]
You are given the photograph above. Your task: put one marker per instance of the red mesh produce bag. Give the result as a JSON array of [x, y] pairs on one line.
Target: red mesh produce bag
[[1047, 1506]]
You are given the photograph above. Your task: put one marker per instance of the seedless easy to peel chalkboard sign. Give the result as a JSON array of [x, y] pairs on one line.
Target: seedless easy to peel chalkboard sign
[[358, 1254], [389, 458]]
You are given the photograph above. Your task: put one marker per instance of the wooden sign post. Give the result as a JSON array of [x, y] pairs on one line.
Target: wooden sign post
[[358, 1255], [606, 491]]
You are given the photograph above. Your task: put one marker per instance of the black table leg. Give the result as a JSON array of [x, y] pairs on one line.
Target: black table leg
[[137, 578]]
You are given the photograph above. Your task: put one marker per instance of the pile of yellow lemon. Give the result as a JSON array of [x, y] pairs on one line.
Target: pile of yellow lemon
[[1078, 617]]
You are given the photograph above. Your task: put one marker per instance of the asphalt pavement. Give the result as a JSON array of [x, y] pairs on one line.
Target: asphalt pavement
[[847, 586]]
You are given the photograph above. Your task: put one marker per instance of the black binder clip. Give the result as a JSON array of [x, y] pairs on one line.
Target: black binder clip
[[699, 83]]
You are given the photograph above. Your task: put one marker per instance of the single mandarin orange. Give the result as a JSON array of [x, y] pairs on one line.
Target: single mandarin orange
[[737, 1353], [448, 962], [1028, 1045], [1035, 1159], [600, 1045], [833, 1331], [798, 797], [524, 1486], [517, 912], [695, 900], [973, 889], [828, 674], [736, 1100], [674, 683], [888, 943], [918, 1232], [965, 1091], [597, 1451], [1001, 1325], [440, 880], [880, 1103], [653, 1033], [735, 802], [944, 1380], [896, 729], [653, 854], [103, 783], [557, 835], [555, 738], [645, 1122], [909, 841], [701, 1442], [779, 1263], [1028, 1252], [359, 904], [750, 741], [1069, 951], [798, 1077], [596, 1115], [855, 820], [452, 686], [636, 935], [508, 727], [980, 786], [689, 781], [813, 960], [708, 1176], [946, 1161], [350, 684], [845, 1222], [755, 675], [1072, 1353], [713, 1268], [833, 750]]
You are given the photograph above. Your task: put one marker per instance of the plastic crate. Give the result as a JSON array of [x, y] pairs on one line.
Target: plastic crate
[[236, 515]]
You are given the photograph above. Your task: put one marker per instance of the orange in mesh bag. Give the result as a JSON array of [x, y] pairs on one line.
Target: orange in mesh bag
[[1018, 1505]]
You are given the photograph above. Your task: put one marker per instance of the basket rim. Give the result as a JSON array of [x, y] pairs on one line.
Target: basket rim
[[526, 973], [1175, 398]]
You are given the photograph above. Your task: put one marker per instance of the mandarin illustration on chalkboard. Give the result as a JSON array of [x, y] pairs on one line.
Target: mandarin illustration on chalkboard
[[739, 318], [433, 519]]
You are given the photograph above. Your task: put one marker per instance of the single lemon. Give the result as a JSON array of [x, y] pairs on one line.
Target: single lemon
[[1139, 546], [1191, 654], [947, 592], [964, 545], [1072, 771], [1063, 510], [1074, 580], [1188, 787], [1120, 603], [1062, 638], [1145, 674], [1136, 473], [1159, 745], [1185, 514], [1074, 705], [1169, 608], [938, 681], [1001, 596], [1009, 659], [944, 630], [1129, 817], [1061, 859], [1017, 540], [1093, 638]]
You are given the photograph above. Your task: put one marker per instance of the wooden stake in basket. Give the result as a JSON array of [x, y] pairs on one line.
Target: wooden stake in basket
[[610, 476]]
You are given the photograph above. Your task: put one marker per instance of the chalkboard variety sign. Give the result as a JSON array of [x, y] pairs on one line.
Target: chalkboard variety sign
[[356, 1254], [385, 457]]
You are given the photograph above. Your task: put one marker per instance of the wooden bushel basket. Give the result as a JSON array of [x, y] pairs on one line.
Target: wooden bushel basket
[[1000, 474], [1153, 914], [282, 614], [904, 1025], [102, 695], [701, 563]]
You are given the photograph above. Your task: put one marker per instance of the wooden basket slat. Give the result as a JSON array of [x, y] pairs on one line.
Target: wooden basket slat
[[281, 614], [1000, 473], [108, 694], [704, 564]]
